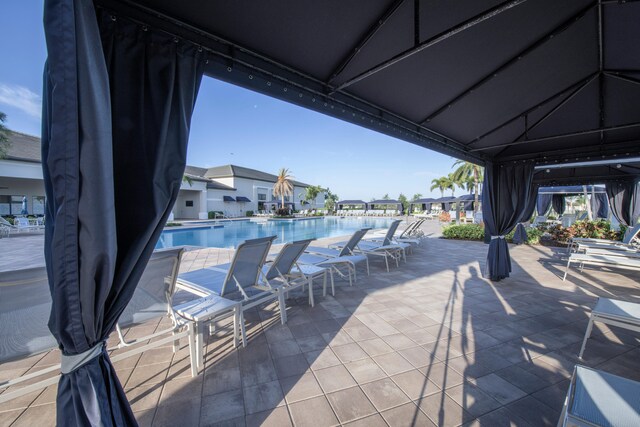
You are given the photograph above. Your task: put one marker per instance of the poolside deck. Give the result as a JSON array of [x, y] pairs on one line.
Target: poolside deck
[[430, 343]]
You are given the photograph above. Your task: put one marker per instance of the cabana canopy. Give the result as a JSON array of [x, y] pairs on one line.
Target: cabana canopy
[[425, 204], [342, 203], [385, 202], [540, 92], [572, 190], [545, 81]]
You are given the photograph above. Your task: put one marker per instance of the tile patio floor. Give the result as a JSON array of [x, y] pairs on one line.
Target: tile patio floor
[[430, 343]]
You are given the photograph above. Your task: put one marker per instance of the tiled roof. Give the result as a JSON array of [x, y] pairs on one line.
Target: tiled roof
[[24, 147], [242, 172]]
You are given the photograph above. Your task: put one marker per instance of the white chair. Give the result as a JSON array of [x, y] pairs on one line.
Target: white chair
[[611, 260], [25, 304], [597, 398], [613, 312]]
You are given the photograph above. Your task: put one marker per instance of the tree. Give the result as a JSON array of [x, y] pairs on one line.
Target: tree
[[441, 184], [283, 186], [311, 193], [187, 180], [386, 197], [467, 171], [405, 203], [416, 196], [5, 144], [330, 200]]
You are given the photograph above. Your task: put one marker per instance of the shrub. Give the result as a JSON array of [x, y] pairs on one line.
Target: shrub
[[283, 212], [476, 232], [248, 213], [173, 224], [444, 217], [464, 232]]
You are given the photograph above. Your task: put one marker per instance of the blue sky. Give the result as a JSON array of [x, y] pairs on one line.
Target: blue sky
[[234, 125]]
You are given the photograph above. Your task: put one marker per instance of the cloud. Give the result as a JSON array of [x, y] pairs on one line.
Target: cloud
[[21, 98]]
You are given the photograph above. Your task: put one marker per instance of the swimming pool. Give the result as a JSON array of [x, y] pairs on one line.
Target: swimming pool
[[228, 234]]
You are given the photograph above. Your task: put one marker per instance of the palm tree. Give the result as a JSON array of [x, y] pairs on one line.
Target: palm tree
[[451, 182], [441, 184], [283, 186], [467, 171]]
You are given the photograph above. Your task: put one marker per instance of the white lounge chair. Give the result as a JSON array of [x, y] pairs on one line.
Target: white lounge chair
[[25, 305], [334, 258], [243, 274], [597, 398], [629, 241], [285, 268], [22, 224], [623, 262], [385, 248], [623, 314]]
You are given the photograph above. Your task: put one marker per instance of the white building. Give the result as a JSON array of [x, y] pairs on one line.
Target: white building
[[233, 190], [21, 176], [230, 189]]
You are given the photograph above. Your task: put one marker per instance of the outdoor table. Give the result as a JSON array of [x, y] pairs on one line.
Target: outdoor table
[[309, 272], [204, 310]]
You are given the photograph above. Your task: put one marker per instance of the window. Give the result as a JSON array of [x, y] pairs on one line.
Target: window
[[189, 203], [38, 205], [262, 197], [11, 205]]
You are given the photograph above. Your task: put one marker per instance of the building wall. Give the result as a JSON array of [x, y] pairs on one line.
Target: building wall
[[31, 188]]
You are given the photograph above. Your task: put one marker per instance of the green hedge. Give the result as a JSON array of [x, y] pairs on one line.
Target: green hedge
[[476, 232]]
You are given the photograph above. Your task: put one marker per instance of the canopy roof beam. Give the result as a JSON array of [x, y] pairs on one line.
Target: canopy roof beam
[[622, 77], [531, 109], [364, 40], [511, 61], [564, 135], [557, 107], [477, 19]]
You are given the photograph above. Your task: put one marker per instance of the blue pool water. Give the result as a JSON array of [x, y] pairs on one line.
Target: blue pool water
[[228, 234]]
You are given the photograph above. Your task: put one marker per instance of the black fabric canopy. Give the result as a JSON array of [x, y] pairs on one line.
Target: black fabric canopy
[[544, 80], [385, 202], [228, 199], [243, 199], [425, 204], [342, 203]]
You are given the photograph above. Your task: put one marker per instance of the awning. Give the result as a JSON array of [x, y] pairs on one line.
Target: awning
[[228, 199], [351, 203], [243, 199]]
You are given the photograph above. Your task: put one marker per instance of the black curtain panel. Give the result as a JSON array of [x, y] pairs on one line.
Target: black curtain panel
[[543, 204], [635, 205], [118, 101], [600, 206], [557, 200], [505, 201], [520, 234], [620, 195]]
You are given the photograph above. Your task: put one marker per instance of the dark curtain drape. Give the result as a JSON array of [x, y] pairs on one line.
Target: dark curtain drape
[[600, 205], [520, 234], [543, 204], [557, 200], [117, 107], [621, 195], [505, 200], [624, 201]]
